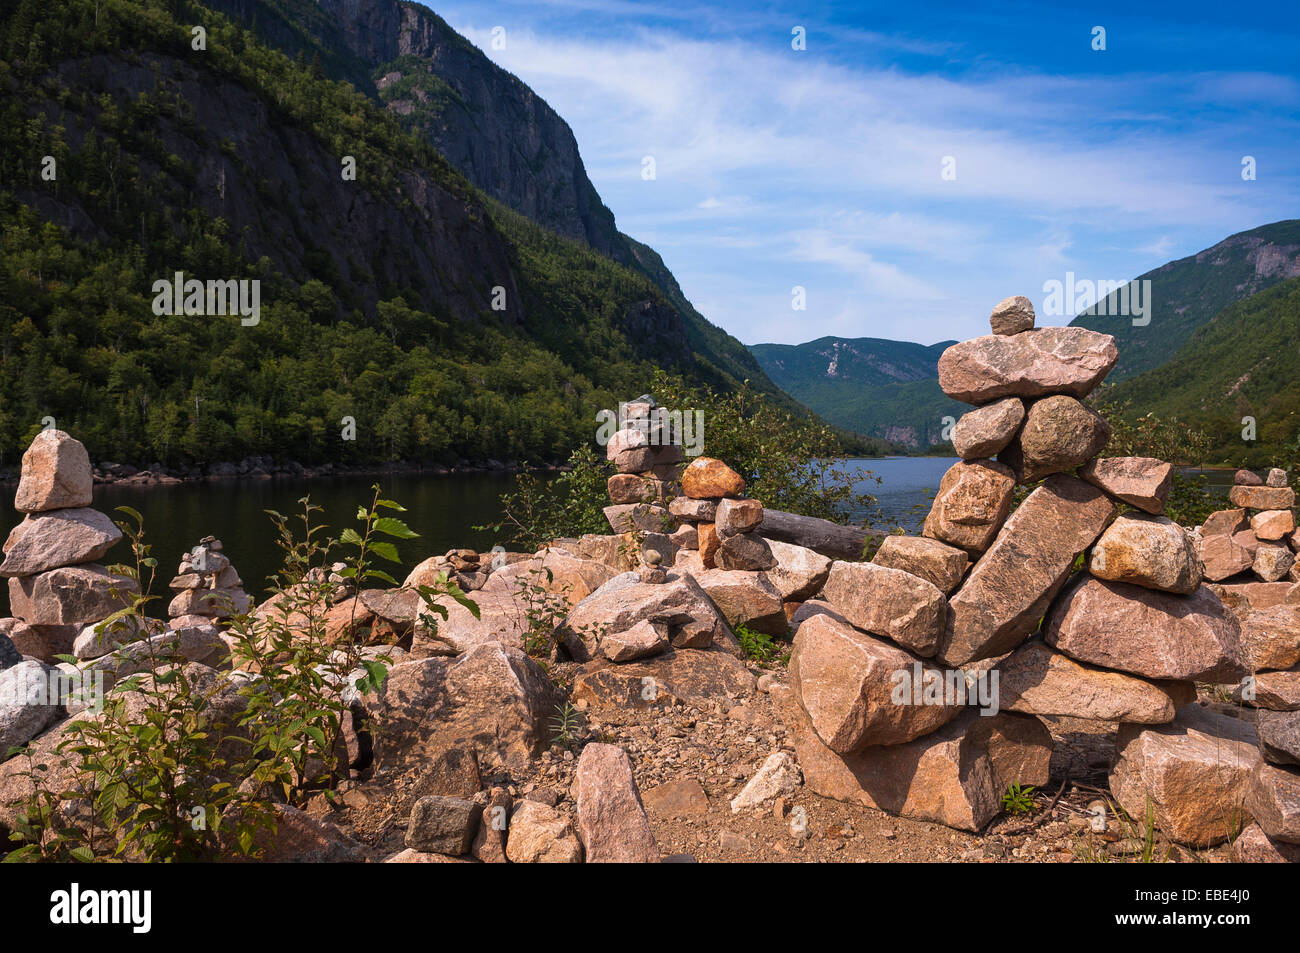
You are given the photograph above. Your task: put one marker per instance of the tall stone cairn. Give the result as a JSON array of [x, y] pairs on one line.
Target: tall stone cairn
[[1124, 639], [56, 585]]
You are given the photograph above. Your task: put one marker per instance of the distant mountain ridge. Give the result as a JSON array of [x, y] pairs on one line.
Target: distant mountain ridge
[[890, 389], [1188, 292], [1241, 366], [873, 386]]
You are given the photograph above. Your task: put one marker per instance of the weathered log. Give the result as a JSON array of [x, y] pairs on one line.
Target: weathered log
[[823, 536]]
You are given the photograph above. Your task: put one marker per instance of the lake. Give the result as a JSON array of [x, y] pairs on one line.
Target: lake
[[442, 509]]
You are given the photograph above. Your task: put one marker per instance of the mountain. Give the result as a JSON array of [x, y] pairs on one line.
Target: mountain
[[875, 387], [890, 389], [1244, 362], [440, 320], [1187, 293], [488, 124]]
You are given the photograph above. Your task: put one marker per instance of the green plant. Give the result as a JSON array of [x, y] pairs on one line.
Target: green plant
[[564, 725], [1018, 799], [307, 674], [1145, 840], [543, 610], [153, 769], [756, 645]]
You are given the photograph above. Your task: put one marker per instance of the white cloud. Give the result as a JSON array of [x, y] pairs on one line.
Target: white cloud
[[770, 162]]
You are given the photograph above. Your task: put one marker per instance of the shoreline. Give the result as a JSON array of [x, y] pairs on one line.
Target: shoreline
[[112, 474]]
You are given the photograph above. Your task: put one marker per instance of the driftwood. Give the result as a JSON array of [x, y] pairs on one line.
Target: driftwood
[[823, 536]]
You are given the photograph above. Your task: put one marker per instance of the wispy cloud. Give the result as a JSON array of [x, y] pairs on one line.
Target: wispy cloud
[[777, 168]]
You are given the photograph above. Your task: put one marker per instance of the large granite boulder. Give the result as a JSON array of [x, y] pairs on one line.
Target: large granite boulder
[[971, 504], [1145, 632], [1011, 586], [889, 602], [1032, 364], [1059, 434], [1149, 551]]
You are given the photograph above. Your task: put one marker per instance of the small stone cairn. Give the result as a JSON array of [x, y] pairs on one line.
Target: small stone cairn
[[56, 586], [207, 587], [701, 507]]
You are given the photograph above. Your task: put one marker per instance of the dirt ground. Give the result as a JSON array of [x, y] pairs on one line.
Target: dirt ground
[[689, 764]]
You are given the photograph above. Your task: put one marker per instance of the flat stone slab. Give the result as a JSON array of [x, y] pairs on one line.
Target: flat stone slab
[[1039, 681], [1139, 481], [47, 541], [1031, 364]]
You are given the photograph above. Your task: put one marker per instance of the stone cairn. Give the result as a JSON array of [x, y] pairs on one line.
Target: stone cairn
[[892, 661], [1249, 552], [700, 508], [60, 598], [56, 587], [207, 587], [647, 457]]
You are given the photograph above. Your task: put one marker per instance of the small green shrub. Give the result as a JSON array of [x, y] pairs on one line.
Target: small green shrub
[[1018, 799]]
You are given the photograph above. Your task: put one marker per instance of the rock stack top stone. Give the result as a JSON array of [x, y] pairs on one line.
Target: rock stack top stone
[[1012, 315], [1276, 477], [56, 474], [707, 478], [1247, 478], [1031, 364]]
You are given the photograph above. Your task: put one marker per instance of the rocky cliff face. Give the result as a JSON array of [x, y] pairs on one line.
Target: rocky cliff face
[[281, 191], [488, 124], [502, 135]]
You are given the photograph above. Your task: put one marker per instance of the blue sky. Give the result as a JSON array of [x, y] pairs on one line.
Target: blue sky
[[821, 168]]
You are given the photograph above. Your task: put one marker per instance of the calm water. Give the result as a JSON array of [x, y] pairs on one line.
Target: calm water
[[442, 509], [907, 486]]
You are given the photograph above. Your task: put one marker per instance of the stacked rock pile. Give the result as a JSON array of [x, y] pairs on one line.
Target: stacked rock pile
[[207, 587], [1257, 536], [465, 567], [992, 609], [647, 454], [726, 524], [56, 586]]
